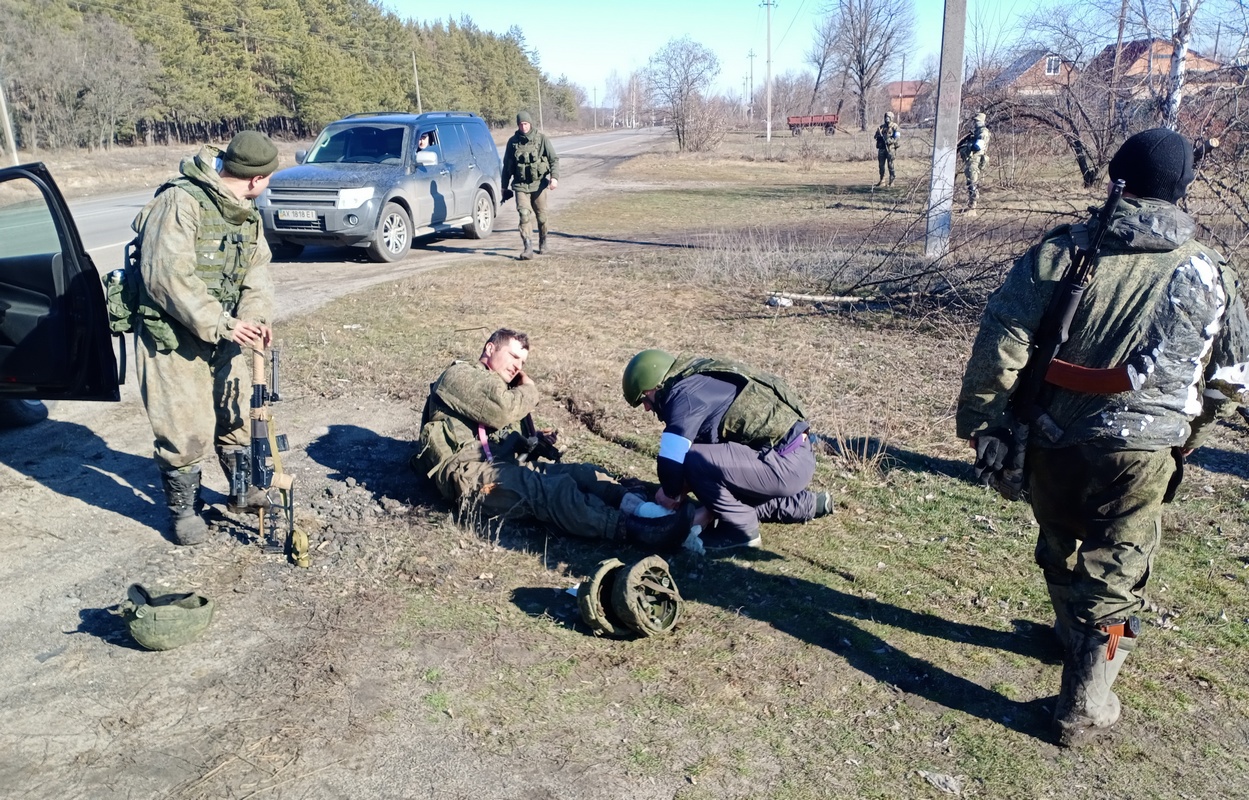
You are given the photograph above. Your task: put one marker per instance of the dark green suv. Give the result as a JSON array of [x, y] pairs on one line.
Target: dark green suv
[[377, 180]]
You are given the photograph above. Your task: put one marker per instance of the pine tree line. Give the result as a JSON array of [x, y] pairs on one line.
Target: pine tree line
[[96, 72]]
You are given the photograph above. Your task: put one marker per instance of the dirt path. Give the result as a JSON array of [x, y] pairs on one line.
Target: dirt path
[[292, 691]]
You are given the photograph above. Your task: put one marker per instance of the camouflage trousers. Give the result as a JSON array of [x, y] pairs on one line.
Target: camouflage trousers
[[884, 155], [1100, 515], [575, 499], [530, 205], [196, 398], [976, 164]]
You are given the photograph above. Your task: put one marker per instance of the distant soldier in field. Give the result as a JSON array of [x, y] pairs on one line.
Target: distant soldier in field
[[886, 146], [974, 150], [1159, 347], [530, 167], [206, 297]]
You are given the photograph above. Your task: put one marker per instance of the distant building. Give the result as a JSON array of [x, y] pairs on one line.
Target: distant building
[[1034, 73], [902, 94], [1142, 63]]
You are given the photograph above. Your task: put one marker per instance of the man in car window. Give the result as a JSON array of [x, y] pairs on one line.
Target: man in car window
[[423, 142], [205, 296], [530, 166]]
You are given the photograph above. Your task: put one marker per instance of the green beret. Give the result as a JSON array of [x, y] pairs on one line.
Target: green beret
[[250, 153]]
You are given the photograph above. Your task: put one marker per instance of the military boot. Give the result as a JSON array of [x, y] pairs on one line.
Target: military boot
[[527, 252], [891, 177], [666, 533], [543, 247], [182, 489], [254, 497], [1086, 704]]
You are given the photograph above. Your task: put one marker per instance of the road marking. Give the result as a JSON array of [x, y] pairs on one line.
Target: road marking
[[107, 246]]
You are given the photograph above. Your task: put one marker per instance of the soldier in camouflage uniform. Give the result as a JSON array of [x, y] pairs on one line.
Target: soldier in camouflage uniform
[[1162, 309], [530, 167], [472, 447], [735, 437], [205, 295], [974, 150], [886, 146]]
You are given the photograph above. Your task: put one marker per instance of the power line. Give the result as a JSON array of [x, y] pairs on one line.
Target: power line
[[797, 14]]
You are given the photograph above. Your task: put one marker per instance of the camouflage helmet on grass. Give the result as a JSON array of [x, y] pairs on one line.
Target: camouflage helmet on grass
[[644, 372], [167, 621]]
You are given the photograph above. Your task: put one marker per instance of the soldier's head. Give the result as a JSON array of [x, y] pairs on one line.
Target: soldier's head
[[980, 120], [524, 122], [888, 116], [1155, 163], [249, 160], [505, 352]]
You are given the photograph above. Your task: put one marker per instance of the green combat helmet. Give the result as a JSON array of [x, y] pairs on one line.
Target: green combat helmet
[[644, 372], [641, 598], [167, 621]]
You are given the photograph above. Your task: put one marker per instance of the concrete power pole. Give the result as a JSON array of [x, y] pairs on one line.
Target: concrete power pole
[[945, 141], [750, 113], [8, 124], [416, 76], [768, 5]]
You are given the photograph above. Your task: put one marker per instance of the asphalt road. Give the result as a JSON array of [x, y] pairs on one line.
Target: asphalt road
[[321, 273]]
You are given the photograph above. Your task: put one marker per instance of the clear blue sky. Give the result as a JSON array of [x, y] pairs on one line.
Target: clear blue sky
[[588, 39]]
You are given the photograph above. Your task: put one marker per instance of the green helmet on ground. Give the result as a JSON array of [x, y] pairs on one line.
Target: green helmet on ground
[[644, 372], [167, 621]]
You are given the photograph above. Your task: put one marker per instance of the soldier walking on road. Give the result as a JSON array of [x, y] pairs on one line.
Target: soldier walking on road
[[530, 167], [1159, 347], [974, 150], [205, 295], [886, 146]]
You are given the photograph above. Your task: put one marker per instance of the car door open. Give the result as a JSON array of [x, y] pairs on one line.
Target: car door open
[[54, 337]]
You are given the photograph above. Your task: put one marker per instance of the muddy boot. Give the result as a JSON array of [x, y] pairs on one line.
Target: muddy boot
[[527, 253], [880, 182], [543, 247], [891, 178], [182, 490], [1086, 704], [254, 497]]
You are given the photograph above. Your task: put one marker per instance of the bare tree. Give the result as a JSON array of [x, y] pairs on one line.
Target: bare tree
[[870, 34], [1180, 39], [680, 74], [823, 55]]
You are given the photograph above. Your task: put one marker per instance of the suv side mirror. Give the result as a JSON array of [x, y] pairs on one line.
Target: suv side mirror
[[300, 155], [426, 158]]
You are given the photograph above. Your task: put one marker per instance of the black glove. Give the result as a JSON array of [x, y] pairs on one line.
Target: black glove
[[992, 448], [507, 195]]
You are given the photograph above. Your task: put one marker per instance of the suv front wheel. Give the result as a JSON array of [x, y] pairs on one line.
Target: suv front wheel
[[483, 216], [393, 238]]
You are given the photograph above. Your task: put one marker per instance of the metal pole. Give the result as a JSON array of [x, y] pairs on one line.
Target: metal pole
[[945, 137], [595, 109], [750, 113], [417, 78], [8, 124], [540, 125], [768, 4]]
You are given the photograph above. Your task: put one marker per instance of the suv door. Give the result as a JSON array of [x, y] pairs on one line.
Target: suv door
[[54, 338], [458, 158]]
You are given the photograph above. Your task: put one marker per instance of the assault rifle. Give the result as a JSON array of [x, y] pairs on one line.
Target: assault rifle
[[538, 444], [1000, 453], [259, 470]]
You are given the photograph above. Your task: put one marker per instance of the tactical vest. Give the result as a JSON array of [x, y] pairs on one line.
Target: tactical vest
[[531, 161], [762, 414], [885, 136], [223, 254]]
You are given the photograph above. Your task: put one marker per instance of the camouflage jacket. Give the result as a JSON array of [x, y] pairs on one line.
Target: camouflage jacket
[[887, 136], [1159, 301], [975, 143], [528, 160], [464, 396], [183, 271], [764, 411]]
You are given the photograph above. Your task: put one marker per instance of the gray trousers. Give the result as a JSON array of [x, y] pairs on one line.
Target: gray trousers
[[744, 486]]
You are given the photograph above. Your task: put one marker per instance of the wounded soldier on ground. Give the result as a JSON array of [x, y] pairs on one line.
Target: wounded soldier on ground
[[474, 449]]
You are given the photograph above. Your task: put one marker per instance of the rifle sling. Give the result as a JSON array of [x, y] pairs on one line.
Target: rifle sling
[[1088, 380]]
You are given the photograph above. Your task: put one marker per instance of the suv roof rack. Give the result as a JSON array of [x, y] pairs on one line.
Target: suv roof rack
[[377, 114], [429, 114]]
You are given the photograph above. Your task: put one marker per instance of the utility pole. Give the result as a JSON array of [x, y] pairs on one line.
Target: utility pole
[[901, 86], [750, 114], [746, 94], [949, 98], [768, 4], [540, 125], [8, 125], [416, 77], [595, 109]]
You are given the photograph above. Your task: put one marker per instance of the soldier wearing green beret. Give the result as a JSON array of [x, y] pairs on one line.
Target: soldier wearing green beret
[[205, 296]]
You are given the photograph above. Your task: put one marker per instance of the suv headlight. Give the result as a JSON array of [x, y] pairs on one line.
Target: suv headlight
[[354, 198]]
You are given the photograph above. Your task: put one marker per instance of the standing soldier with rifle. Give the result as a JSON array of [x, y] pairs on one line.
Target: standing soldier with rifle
[[1100, 363], [205, 295], [974, 150], [886, 147]]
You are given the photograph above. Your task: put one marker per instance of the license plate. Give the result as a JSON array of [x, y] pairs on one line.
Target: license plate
[[305, 214]]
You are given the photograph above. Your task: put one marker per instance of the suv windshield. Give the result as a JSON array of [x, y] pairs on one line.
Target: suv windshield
[[359, 144]]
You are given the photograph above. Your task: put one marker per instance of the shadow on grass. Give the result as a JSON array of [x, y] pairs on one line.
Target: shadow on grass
[[378, 463], [868, 449]]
